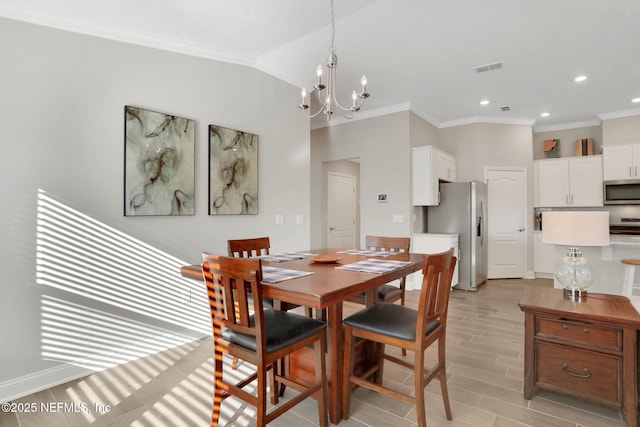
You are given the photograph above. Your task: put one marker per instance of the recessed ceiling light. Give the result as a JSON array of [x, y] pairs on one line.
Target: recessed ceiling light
[[636, 99], [484, 102], [545, 114], [580, 78]]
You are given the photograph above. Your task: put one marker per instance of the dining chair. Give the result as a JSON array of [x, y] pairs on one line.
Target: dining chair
[[247, 248], [259, 336], [387, 293], [253, 248], [399, 326]]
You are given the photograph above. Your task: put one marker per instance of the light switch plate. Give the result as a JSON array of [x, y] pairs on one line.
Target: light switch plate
[[279, 219], [398, 218]]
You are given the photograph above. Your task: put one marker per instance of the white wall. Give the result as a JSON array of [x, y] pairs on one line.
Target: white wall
[[481, 145], [382, 145], [620, 131], [567, 139], [62, 114]]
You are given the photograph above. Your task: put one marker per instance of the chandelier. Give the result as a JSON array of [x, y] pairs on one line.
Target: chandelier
[[330, 98]]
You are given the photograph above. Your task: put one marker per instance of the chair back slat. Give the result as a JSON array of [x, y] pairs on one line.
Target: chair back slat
[[230, 281], [247, 248], [436, 288], [392, 244]]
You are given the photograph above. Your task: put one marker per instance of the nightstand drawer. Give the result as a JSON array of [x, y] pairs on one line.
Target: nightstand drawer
[[583, 373], [580, 332]]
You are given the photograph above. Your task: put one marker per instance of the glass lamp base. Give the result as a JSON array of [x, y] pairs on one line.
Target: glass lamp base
[[575, 273], [575, 294]]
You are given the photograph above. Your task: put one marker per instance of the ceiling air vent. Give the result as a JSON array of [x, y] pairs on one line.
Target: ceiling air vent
[[505, 108], [488, 67]]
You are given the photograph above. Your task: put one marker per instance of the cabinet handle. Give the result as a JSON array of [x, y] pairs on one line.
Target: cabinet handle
[[636, 169], [630, 171], [586, 331], [565, 327], [587, 372]]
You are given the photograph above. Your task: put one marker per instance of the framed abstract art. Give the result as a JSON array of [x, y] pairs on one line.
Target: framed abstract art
[[159, 166], [233, 172]]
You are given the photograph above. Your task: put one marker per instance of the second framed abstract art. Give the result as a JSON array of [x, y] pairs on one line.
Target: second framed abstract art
[[233, 172]]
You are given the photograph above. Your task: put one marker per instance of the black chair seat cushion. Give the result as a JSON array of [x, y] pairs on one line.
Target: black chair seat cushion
[[392, 320], [386, 293], [282, 328], [268, 303]]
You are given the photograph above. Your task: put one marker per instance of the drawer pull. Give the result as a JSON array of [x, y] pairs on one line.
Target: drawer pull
[[565, 327], [586, 331], [587, 372]]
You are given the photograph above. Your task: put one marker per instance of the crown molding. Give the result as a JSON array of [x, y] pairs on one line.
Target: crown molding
[[486, 119], [620, 114], [367, 114], [39, 16], [433, 122], [565, 126]]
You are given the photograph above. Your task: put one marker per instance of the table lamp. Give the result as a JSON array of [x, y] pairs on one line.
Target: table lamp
[[575, 229]]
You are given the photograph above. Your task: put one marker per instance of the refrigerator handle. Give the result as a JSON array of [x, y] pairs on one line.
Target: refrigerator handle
[[479, 226]]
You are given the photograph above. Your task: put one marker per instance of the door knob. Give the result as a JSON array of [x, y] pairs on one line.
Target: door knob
[[331, 228], [521, 229]]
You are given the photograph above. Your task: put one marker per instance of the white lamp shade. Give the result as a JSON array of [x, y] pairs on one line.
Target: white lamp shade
[[576, 228]]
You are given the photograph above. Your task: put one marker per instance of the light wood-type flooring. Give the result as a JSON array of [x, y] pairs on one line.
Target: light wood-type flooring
[[484, 366]]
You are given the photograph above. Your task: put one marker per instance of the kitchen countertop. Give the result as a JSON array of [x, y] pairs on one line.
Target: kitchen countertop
[[619, 239], [624, 240]]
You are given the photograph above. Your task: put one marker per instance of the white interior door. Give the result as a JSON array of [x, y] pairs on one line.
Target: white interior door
[[506, 222], [341, 211]]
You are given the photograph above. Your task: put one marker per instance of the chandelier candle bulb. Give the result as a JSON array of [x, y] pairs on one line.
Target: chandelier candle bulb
[[330, 101], [319, 86]]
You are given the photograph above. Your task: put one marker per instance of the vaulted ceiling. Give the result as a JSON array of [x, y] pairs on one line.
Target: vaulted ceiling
[[417, 54]]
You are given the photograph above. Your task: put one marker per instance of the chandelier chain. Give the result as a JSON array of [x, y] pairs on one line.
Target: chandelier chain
[[333, 30], [328, 103]]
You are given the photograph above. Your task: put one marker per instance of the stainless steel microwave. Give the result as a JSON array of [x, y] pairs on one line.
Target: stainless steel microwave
[[623, 192]]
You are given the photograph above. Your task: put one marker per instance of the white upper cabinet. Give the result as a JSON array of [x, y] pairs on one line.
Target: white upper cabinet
[[429, 166], [446, 166], [575, 181], [621, 162]]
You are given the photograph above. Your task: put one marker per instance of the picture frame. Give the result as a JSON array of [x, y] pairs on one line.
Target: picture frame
[[159, 163], [233, 172]]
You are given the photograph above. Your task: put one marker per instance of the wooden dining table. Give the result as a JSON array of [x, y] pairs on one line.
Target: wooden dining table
[[328, 288]]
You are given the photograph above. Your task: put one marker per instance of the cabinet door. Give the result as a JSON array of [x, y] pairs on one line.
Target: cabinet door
[[635, 171], [543, 255], [553, 183], [618, 162], [446, 167], [585, 177], [424, 182]]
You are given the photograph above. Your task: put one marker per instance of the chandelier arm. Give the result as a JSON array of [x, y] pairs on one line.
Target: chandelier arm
[[322, 108], [331, 99], [333, 85]]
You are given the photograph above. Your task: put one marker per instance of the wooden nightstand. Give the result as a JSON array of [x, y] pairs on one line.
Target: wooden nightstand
[[585, 349]]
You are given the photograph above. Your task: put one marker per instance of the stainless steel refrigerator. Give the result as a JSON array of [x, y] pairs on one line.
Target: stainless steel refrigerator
[[463, 210]]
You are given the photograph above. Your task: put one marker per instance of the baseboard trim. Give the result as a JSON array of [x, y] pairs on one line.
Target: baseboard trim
[[25, 385], [41, 380]]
